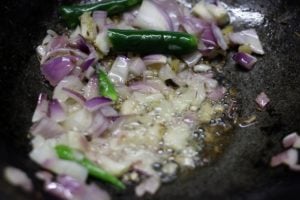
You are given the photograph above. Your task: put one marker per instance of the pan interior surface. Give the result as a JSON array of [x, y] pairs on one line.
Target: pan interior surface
[[242, 172]]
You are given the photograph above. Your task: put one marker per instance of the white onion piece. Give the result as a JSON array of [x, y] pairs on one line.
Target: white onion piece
[[248, 37], [19, 178], [109, 111], [217, 94], [219, 37], [79, 120], [192, 59], [89, 72], [176, 136], [71, 82], [128, 17], [44, 176], [200, 94], [91, 90], [102, 42], [200, 10], [143, 87], [151, 16], [41, 109], [40, 154], [159, 85], [99, 18], [123, 91], [137, 66], [76, 140], [262, 100], [166, 73], [75, 32], [74, 95], [41, 51], [288, 157], [291, 140], [65, 167], [93, 192], [47, 128], [88, 27], [45, 155], [99, 125], [56, 111], [119, 70], [201, 68], [218, 12], [155, 59], [149, 185]]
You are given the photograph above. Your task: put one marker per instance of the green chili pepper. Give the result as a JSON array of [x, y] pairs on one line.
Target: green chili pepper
[[149, 41], [67, 153], [106, 87], [72, 13]]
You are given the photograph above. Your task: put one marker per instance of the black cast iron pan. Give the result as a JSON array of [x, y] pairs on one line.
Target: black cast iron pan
[[242, 172]]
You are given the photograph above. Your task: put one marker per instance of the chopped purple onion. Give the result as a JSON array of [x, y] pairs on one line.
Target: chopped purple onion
[[245, 60], [129, 17], [47, 128], [262, 100], [99, 125], [69, 188], [155, 59], [152, 16], [56, 69], [173, 10], [219, 37], [56, 111], [96, 103], [81, 44], [70, 183], [87, 63], [74, 95], [248, 37], [71, 82], [63, 52], [208, 38], [193, 25], [58, 42]]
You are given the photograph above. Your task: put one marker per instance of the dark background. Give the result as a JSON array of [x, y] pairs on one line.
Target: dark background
[[242, 172]]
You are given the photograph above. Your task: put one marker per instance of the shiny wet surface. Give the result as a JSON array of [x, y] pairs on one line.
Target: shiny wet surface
[[242, 172]]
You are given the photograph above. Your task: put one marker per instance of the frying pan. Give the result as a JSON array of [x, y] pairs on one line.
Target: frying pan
[[242, 172]]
